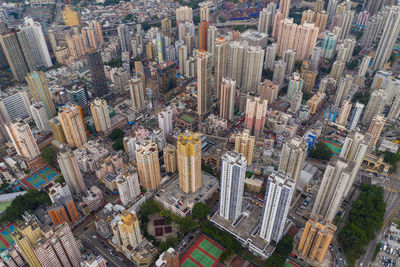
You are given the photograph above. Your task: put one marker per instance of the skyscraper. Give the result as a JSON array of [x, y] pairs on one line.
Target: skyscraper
[[166, 27], [71, 172], [305, 36], [16, 49], [73, 125], [90, 38], [347, 21], [40, 92], [22, 139], [98, 31], [344, 113], [40, 116], [268, 91], [295, 86], [344, 86], [233, 173], [332, 190], [328, 44], [184, 14], [280, 188], [128, 187], [170, 160], [279, 72], [253, 57], [227, 102], [189, 161], [204, 90], [264, 20], [375, 129], [256, 109], [388, 39], [375, 105], [203, 31], [63, 211], [137, 93], [321, 20], [289, 57], [364, 66], [204, 13], [127, 231], [148, 164], [270, 54], [220, 61], [294, 152], [316, 238], [124, 37], [395, 109], [165, 121], [244, 144], [101, 116], [34, 35], [98, 77], [355, 117]]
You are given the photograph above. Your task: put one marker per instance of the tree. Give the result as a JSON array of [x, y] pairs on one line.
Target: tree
[[222, 20], [320, 151], [187, 224], [196, 20], [267, 74], [149, 207], [200, 211], [115, 63], [116, 133], [49, 154], [307, 95], [60, 179], [362, 97], [297, 65], [352, 64], [285, 246], [170, 242], [118, 144], [274, 261]]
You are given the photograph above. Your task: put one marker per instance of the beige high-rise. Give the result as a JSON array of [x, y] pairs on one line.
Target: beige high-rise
[[73, 124], [39, 90], [375, 129], [227, 102], [148, 164], [170, 158], [204, 90], [101, 117], [70, 170], [189, 161], [316, 237], [220, 62], [22, 139], [137, 92], [244, 144], [301, 38], [127, 231], [293, 154]]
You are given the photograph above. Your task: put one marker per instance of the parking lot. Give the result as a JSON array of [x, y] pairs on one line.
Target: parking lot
[[389, 247]]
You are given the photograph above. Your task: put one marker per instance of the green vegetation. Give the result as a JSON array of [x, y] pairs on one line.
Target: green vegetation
[[49, 154], [392, 58], [320, 151], [111, 2], [60, 179], [118, 144], [222, 20], [3, 186], [196, 20], [362, 97], [366, 217], [117, 135], [200, 211], [242, 28], [115, 63], [307, 95], [297, 65], [28, 202], [296, 13], [207, 169], [283, 249], [267, 74], [352, 65], [337, 220], [392, 158], [357, 50], [170, 242], [376, 251]]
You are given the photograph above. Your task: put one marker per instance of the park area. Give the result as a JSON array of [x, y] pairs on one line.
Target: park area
[[204, 252]]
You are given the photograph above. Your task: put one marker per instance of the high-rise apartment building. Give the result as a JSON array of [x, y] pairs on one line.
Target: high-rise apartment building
[[166, 27], [316, 238], [395, 109], [40, 92], [203, 31], [170, 161], [337, 69], [364, 66], [98, 31], [16, 49], [57, 130], [37, 43], [70, 170], [372, 29], [268, 91], [331, 193], [90, 38], [227, 99], [128, 187], [279, 72], [22, 139], [39, 115], [344, 113], [233, 173], [289, 57], [270, 54], [184, 14], [375, 105], [253, 57], [328, 44], [26, 248], [375, 129], [256, 110], [321, 20], [307, 16], [344, 87], [294, 152], [127, 231], [73, 124], [137, 93], [204, 90], [301, 38], [356, 115], [244, 144], [388, 39], [280, 188], [189, 161], [165, 121], [220, 61], [124, 37], [204, 13], [264, 20], [347, 22], [148, 164], [63, 211], [101, 116], [98, 77], [295, 85]]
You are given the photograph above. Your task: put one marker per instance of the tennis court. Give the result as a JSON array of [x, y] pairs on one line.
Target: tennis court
[[5, 236], [202, 258], [203, 252], [334, 146], [40, 178], [210, 248]]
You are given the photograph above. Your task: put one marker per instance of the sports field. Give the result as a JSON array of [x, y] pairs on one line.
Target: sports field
[[188, 118], [40, 178], [5, 236], [335, 147], [205, 252]]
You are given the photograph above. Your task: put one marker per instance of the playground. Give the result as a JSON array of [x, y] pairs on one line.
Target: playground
[[40, 178], [5, 235], [334, 146], [204, 252]]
